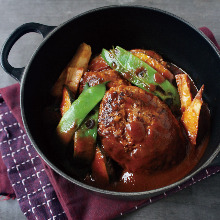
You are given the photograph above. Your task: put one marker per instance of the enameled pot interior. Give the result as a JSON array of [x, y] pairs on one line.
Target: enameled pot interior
[[129, 27]]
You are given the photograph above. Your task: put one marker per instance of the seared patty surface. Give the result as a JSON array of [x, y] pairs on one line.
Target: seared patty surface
[[139, 131]]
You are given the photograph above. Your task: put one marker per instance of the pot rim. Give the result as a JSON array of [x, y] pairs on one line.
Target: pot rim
[[71, 179]]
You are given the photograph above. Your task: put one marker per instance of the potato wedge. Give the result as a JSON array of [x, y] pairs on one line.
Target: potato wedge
[[183, 84], [190, 117], [67, 100], [79, 60], [73, 77], [82, 57]]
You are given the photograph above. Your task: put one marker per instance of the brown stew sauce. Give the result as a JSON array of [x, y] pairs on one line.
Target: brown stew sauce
[[136, 182]]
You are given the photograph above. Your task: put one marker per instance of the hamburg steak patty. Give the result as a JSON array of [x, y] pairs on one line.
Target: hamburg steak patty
[[139, 131]]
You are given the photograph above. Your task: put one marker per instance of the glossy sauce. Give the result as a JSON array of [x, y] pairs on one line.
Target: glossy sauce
[[98, 66], [135, 182], [143, 181], [152, 88], [84, 148], [155, 61], [158, 78]]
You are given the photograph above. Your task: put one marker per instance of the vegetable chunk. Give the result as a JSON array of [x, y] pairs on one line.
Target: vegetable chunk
[[156, 65], [190, 117], [142, 75], [99, 168], [67, 100], [183, 84], [80, 108], [79, 60], [73, 78], [85, 138]]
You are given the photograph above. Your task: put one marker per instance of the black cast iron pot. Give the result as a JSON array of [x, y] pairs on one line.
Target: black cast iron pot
[[127, 26]]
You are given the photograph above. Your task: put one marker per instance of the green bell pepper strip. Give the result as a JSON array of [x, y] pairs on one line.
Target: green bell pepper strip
[[127, 64], [115, 64], [85, 137], [79, 109], [85, 129]]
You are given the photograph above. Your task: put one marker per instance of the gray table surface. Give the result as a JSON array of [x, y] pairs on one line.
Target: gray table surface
[[200, 201]]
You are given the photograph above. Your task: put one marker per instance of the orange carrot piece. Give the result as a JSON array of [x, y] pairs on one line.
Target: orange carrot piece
[[99, 169], [150, 53], [156, 65]]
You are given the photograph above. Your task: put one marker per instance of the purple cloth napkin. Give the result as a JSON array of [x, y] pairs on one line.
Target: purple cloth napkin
[[6, 189], [26, 172], [44, 194]]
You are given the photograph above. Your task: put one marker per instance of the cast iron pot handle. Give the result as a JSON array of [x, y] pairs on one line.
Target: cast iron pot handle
[[18, 33]]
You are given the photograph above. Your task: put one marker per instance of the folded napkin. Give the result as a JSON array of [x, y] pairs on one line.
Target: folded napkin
[[41, 192]]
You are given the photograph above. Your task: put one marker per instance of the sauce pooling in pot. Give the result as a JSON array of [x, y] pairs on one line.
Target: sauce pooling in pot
[[142, 181]]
